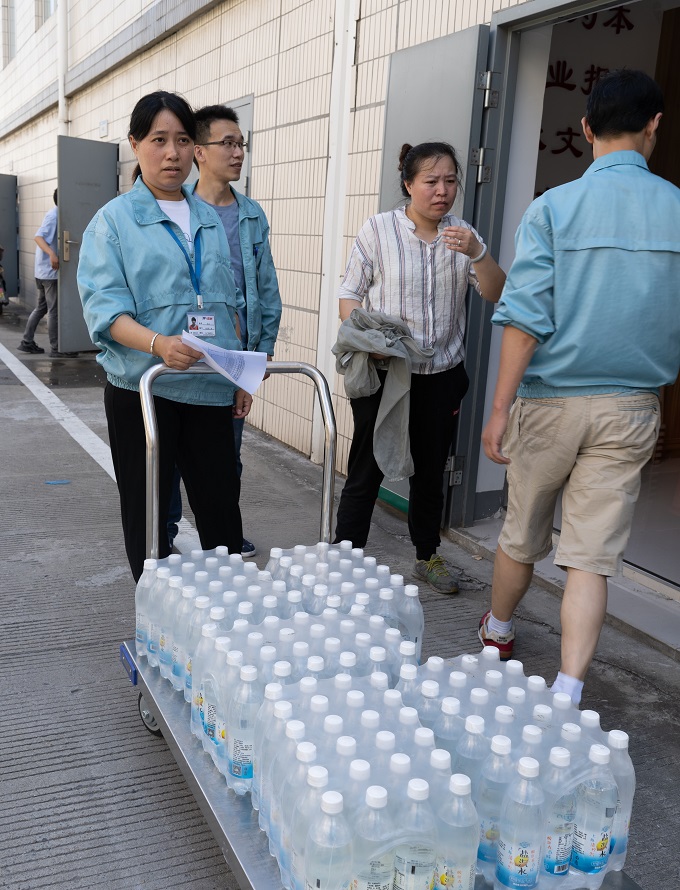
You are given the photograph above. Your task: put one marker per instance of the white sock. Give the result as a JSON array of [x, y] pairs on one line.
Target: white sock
[[570, 685], [498, 627]]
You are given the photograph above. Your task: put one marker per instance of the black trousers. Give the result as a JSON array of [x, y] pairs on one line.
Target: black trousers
[[434, 400], [199, 439]]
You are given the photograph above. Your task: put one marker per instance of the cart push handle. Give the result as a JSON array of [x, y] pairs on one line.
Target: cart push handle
[[151, 431]]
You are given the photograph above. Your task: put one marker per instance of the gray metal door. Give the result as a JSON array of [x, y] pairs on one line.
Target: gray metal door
[[8, 232], [434, 95], [87, 177]]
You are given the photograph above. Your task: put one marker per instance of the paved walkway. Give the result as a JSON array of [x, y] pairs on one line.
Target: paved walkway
[[88, 796]]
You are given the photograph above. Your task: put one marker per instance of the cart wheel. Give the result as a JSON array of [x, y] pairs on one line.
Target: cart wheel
[[148, 718]]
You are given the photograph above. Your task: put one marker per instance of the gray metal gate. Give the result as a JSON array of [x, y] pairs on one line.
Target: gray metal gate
[[8, 232]]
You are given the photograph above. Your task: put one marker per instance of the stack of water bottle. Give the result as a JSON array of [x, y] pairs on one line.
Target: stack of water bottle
[[369, 770]]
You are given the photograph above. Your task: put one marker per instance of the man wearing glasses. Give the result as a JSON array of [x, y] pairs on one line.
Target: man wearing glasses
[[219, 155]]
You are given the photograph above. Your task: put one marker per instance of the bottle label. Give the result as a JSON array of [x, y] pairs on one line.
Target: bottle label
[[316, 883], [210, 720], [379, 875], [414, 867], [448, 876], [240, 758], [164, 652], [141, 629], [154, 633], [558, 850], [187, 673], [488, 839], [590, 851], [517, 864]]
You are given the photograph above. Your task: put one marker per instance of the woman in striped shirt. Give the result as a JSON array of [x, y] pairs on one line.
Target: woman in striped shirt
[[415, 264]]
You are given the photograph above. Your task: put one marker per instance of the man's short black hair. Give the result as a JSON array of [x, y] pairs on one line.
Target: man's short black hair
[[623, 101], [205, 117]]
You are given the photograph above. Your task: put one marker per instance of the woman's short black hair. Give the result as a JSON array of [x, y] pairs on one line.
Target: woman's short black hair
[[412, 158], [623, 101], [145, 111]]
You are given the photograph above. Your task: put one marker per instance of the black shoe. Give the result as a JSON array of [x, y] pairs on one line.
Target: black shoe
[[54, 353], [32, 347]]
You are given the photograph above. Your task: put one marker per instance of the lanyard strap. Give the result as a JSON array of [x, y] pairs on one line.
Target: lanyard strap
[[194, 273]]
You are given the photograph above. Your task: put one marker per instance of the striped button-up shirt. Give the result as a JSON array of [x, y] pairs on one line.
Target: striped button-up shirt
[[391, 270]]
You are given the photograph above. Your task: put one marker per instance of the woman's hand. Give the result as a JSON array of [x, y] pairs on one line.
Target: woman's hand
[[461, 240], [243, 402], [175, 353]]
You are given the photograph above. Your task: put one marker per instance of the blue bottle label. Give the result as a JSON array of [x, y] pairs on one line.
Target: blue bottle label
[[240, 758], [517, 864], [590, 852], [488, 839]]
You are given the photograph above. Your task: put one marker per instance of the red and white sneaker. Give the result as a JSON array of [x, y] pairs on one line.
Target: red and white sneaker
[[502, 642]]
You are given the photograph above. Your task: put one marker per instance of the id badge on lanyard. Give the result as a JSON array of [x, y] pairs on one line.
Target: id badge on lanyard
[[198, 322]]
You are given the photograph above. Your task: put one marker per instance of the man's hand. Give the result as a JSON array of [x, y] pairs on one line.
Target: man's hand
[[54, 261], [243, 402], [492, 437]]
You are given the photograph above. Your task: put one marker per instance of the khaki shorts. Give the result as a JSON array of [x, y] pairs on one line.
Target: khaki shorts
[[595, 448]]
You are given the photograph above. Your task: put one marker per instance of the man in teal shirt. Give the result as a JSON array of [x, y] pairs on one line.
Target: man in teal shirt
[[591, 318]]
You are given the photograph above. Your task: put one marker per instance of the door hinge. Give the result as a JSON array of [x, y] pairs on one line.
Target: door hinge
[[484, 80], [479, 159], [454, 467]]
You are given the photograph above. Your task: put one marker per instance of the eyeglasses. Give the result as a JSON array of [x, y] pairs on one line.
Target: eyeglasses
[[229, 144]]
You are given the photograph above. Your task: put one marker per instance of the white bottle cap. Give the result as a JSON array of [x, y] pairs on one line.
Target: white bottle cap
[[320, 590], [590, 719], [474, 724], [308, 685], [450, 705], [377, 654], [514, 668], [286, 634], [360, 770], [188, 592], [599, 754], [318, 704], [348, 659], [333, 724], [371, 584], [175, 581], [493, 679], [440, 759], [504, 714], [532, 734], [273, 691], [215, 588], [376, 797], [560, 756], [407, 648], [342, 682], [282, 669], [424, 737], [516, 695], [295, 729], [201, 577], [392, 636], [411, 590], [363, 599], [386, 593], [400, 763], [457, 680], [230, 598], [345, 545], [385, 740], [435, 664], [275, 553], [283, 710], [355, 698], [306, 752], [315, 663], [571, 732], [267, 654], [363, 639], [542, 714], [286, 562], [379, 680], [397, 580], [248, 673], [264, 576], [347, 626], [209, 630], [479, 697], [536, 684], [347, 588], [418, 789], [222, 644], [197, 554], [430, 688], [501, 744], [163, 573], [317, 776], [370, 719], [255, 639], [346, 746], [618, 739], [408, 672], [528, 767], [201, 602], [244, 608], [217, 613], [490, 654], [278, 588], [269, 601], [460, 784], [234, 658], [561, 701], [469, 663], [392, 698], [300, 650], [150, 564], [408, 717]]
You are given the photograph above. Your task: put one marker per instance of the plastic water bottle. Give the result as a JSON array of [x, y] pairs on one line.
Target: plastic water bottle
[[328, 850], [204, 649], [590, 723], [409, 685], [503, 721], [383, 749], [457, 837], [154, 608], [480, 703], [307, 809], [358, 780], [374, 834], [392, 705], [531, 744], [241, 716], [449, 725], [458, 685], [498, 771], [326, 746], [408, 722], [411, 617], [396, 782], [273, 692], [142, 591], [280, 770], [407, 654], [433, 669], [273, 739], [514, 674], [293, 787], [422, 746], [229, 680], [493, 683], [415, 855], [368, 727], [214, 678], [439, 775], [624, 774], [521, 830], [378, 684], [560, 806], [197, 619], [596, 800], [355, 702], [180, 633], [345, 754], [471, 751], [429, 705], [167, 620]]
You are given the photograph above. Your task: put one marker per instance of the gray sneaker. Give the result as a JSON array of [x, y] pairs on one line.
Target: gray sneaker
[[438, 572]]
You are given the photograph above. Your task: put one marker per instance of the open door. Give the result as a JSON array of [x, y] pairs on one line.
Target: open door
[[436, 92], [87, 177], [8, 233]]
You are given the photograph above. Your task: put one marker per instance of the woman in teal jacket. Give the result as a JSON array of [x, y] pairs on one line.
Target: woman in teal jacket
[[150, 260]]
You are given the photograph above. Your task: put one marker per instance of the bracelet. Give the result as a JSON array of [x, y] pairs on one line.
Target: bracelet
[[153, 340], [481, 255]]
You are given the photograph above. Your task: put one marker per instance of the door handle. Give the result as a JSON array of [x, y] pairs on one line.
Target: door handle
[[67, 250]]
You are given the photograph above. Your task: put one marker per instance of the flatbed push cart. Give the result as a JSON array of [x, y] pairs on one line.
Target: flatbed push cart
[[231, 819]]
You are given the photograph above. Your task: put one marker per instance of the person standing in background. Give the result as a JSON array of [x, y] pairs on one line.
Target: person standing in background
[[46, 275], [218, 154]]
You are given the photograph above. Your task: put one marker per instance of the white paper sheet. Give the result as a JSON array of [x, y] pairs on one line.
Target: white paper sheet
[[245, 369]]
